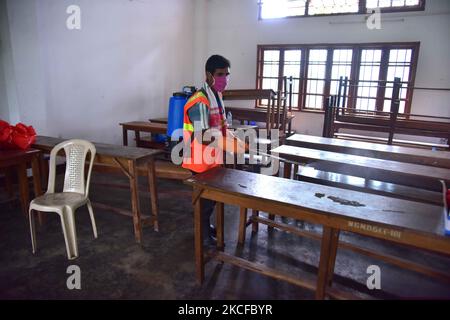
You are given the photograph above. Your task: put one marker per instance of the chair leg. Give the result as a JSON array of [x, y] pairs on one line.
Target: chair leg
[[91, 214], [70, 237], [32, 230]]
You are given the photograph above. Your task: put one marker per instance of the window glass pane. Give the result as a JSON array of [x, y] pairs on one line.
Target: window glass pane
[[271, 63], [370, 4], [282, 8], [271, 9], [316, 78], [399, 67], [332, 7], [292, 60], [368, 79], [342, 66], [292, 63]]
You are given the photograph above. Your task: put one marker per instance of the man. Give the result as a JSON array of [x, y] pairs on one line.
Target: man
[[205, 111]]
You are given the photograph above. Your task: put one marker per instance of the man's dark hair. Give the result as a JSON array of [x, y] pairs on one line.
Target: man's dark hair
[[216, 62]]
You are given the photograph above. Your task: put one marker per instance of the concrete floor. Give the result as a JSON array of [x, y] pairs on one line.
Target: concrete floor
[[115, 267]]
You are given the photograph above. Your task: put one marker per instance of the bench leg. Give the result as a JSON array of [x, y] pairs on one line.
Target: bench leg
[[242, 224], [153, 193], [287, 170], [324, 264], [220, 225], [271, 217], [333, 253], [23, 186], [255, 224], [198, 240], [135, 200], [125, 136], [43, 164]]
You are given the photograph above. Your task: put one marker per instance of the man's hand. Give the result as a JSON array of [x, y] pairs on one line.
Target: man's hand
[[232, 144]]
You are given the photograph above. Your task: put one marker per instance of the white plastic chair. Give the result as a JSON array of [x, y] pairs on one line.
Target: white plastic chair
[[74, 195]]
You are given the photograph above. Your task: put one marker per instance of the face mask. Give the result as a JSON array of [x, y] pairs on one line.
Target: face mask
[[220, 83]]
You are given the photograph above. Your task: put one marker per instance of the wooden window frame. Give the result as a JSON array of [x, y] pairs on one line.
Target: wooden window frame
[[362, 10], [355, 66]]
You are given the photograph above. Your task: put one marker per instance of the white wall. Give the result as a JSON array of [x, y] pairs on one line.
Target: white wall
[[124, 63], [235, 31]]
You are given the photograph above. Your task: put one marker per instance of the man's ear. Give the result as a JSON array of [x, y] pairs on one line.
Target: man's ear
[[210, 78]]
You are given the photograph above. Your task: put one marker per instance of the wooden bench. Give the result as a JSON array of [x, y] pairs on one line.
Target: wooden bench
[[407, 174], [310, 174], [403, 222], [373, 150], [400, 142]]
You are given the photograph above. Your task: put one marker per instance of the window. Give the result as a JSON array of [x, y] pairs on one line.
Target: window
[[269, 9], [316, 70]]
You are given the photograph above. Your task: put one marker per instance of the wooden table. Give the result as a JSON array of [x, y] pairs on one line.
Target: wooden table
[[141, 126], [19, 159], [127, 159], [371, 168], [404, 222], [373, 150]]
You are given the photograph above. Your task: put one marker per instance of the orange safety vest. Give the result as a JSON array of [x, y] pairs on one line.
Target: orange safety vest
[[196, 160]]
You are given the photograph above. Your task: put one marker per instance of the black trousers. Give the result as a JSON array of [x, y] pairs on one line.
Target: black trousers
[[208, 207], [207, 210]]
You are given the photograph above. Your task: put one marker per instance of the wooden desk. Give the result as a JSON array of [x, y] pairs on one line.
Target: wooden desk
[[404, 222], [372, 168], [19, 159], [141, 126], [127, 159], [373, 150]]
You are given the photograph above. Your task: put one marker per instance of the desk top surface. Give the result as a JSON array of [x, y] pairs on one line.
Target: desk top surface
[[325, 200], [103, 149], [375, 150], [16, 154], [299, 154]]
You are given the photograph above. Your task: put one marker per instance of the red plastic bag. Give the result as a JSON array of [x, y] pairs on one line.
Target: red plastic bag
[[23, 136], [19, 136], [5, 135]]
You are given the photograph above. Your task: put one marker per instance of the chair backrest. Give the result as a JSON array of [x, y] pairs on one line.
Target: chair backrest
[[76, 152]]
